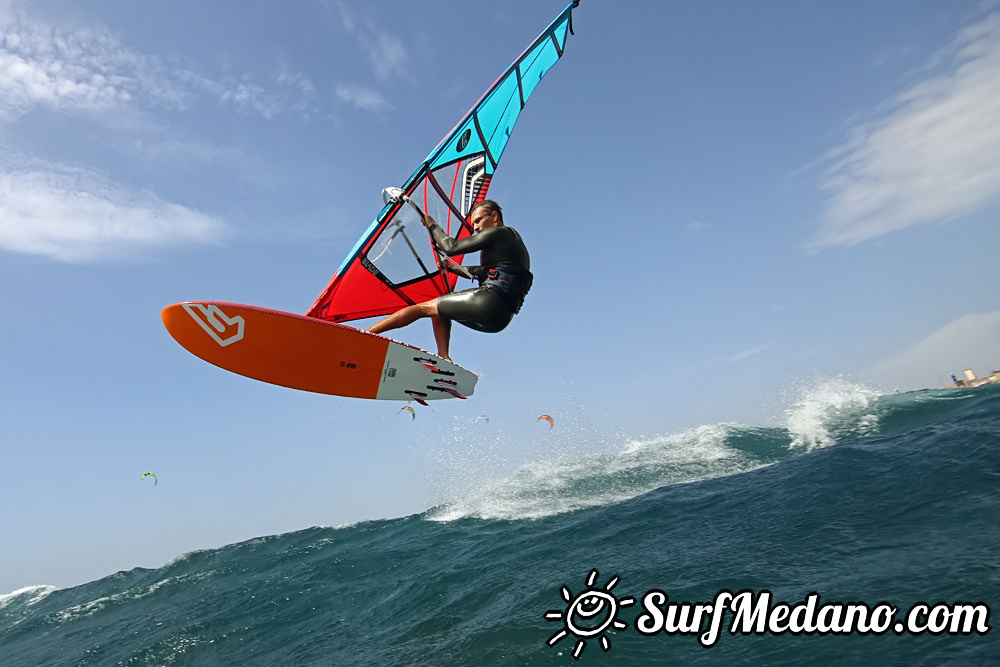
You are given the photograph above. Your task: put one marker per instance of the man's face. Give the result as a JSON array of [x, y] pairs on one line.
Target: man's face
[[483, 219]]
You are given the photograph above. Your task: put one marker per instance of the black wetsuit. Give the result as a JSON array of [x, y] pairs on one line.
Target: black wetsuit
[[504, 278]]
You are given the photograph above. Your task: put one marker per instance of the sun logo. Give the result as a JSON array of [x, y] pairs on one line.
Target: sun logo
[[589, 614]]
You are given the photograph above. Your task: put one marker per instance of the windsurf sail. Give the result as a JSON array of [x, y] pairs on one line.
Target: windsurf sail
[[394, 264]]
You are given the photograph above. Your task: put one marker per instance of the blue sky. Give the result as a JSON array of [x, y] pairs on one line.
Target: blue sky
[[723, 201]]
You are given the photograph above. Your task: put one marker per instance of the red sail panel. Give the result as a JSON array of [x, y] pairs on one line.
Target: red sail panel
[[395, 265]]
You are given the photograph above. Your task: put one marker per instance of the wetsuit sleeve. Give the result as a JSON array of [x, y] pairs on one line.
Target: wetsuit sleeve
[[450, 246]]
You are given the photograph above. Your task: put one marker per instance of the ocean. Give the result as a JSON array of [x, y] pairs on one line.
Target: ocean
[[858, 510]]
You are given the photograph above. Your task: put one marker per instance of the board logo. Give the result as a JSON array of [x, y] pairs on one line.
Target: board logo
[[223, 329], [589, 614]]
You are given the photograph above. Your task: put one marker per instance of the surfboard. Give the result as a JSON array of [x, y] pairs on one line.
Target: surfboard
[[314, 355]]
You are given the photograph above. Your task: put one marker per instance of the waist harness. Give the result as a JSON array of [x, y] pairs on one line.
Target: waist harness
[[511, 284]]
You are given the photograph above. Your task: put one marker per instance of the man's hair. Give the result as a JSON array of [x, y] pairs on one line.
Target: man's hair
[[490, 206]]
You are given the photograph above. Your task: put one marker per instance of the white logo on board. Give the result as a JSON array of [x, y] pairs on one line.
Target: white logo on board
[[223, 329]]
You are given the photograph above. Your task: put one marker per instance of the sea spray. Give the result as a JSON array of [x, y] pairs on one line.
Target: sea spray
[[564, 484], [829, 408]]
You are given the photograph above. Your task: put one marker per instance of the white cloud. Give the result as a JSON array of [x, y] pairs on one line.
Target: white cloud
[[74, 216], [931, 156], [293, 93], [249, 96], [85, 68], [363, 98], [971, 341], [387, 53], [697, 226], [70, 212], [30, 79], [746, 354], [389, 56], [88, 68], [297, 81], [346, 17]]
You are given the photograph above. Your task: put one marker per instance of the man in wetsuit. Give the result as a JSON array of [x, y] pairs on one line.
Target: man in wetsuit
[[504, 279]]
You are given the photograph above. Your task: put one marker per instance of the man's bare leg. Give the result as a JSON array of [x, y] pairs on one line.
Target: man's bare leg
[[442, 335], [405, 316]]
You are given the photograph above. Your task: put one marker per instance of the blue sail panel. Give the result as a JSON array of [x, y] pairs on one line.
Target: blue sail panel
[[464, 141], [536, 64], [498, 113]]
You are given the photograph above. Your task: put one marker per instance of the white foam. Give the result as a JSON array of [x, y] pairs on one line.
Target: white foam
[[559, 485], [33, 594], [826, 406]]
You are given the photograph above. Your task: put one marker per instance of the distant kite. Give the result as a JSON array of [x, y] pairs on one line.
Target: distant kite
[[549, 419], [483, 417], [153, 475], [413, 413]]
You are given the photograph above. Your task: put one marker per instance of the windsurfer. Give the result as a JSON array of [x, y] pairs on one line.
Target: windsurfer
[[504, 279]]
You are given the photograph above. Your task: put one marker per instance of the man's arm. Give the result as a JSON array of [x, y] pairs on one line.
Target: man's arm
[[451, 246], [470, 272]]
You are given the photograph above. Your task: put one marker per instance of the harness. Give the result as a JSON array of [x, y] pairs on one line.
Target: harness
[[510, 283]]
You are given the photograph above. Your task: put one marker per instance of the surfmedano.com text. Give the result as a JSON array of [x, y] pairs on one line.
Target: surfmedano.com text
[[754, 613]]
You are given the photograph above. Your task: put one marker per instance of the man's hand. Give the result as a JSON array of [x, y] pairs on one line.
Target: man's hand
[[428, 221]]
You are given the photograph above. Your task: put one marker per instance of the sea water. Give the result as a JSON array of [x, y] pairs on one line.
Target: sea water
[[857, 500]]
